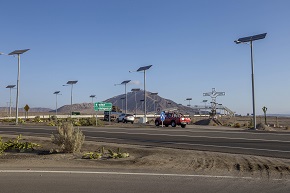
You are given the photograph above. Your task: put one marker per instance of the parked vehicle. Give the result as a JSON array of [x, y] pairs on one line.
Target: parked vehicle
[[113, 115], [173, 119], [125, 118]]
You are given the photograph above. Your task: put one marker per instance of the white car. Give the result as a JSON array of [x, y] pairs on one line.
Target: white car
[[125, 118]]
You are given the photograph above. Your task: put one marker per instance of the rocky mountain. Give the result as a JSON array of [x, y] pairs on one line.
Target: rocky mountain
[[134, 101], [153, 103], [119, 101], [35, 109]]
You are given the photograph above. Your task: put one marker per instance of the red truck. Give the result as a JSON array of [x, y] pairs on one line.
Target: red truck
[[173, 119]]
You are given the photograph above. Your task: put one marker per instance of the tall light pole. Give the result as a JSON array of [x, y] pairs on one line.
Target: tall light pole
[[204, 101], [56, 93], [10, 87], [18, 53], [122, 98], [245, 40], [71, 82], [93, 96], [189, 99], [125, 83], [154, 94], [142, 103], [144, 68], [135, 90]]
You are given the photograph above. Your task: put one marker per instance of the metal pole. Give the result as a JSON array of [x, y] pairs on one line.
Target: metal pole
[[253, 86], [126, 98], [97, 118], [71, 98], [135, 105], [17, 95], [10, 104], [145, 96], [55, 104], [122, 105]]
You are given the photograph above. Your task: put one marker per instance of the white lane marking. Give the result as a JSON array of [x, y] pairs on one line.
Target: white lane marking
[[168, 142], [208, 137], [170, 130], [128, 173], [196, 131], [169, 135]]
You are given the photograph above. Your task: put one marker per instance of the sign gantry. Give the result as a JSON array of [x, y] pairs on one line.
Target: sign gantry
[[213, 94]]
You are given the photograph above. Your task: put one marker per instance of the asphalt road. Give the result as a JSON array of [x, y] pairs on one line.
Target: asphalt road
[[272, 144], [24, 181]]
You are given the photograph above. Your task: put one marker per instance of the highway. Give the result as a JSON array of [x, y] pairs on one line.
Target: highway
[[51, 181], [271, 144]]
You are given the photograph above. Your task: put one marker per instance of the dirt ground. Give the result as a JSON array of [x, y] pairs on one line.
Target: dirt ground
[[143, 158]]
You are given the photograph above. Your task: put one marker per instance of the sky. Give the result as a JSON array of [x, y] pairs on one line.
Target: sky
[[189, 43]]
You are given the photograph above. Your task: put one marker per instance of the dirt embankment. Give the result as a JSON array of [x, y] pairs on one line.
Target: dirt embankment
[[164, 160]]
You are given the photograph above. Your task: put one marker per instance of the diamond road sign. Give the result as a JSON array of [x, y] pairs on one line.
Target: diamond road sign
[[101, 106]]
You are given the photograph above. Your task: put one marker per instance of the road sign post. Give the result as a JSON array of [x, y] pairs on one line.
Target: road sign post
[[102, 106], [162, 117]]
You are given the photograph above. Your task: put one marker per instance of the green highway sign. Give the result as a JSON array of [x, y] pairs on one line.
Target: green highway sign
[[102, 106]]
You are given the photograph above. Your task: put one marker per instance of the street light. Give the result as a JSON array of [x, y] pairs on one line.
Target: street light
[[10, 87], [144, 68], [122, 98], [204, 101], [142, 103], [135, 90], [18, 53], [71, 82], [56, 93], [189, 99], [93, 96], [154, 94], [245, 40], [125, 83]]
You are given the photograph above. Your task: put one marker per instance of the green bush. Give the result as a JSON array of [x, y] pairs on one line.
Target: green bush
[[53, 118], [237, 125], [108, 154], [68, 138], [37, 119], [17, 145], [21, 120]]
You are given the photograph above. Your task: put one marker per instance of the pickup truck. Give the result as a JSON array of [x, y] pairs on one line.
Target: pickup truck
[[173, 119]]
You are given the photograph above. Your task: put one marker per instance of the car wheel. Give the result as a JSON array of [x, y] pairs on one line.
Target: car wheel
[[132, 122], [157, 123], [118, 120], [183, 125], [173, 124], [123, 120]]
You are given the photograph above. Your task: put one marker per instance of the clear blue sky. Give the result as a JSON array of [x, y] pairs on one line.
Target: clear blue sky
[[190, 44]]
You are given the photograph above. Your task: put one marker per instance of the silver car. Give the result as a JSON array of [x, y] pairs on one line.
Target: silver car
[[125, 118]]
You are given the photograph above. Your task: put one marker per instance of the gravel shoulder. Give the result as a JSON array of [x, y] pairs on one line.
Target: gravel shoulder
[[143, 158]]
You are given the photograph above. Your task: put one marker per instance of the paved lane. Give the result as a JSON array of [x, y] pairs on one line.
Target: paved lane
[[230, 141], [93, 181]]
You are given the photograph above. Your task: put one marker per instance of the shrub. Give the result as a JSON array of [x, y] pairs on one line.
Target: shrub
[[103, 154], [68, 138], [21, 120], [51, 123], [237, 125], [2, 146], [53, 118], [37, 119], [17, 145]]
